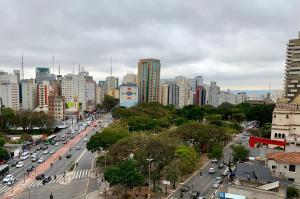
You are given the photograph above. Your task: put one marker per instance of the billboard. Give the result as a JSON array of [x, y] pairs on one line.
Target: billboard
[[128, 95]]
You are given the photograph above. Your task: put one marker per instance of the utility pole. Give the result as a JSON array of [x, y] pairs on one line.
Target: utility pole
[[149, 160], [22, 66]]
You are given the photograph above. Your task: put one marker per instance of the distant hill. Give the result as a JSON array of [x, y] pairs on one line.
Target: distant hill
[[257, 92]]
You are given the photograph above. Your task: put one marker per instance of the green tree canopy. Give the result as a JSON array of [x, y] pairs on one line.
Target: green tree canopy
[[240, 152], [124, 174], [216, 151]]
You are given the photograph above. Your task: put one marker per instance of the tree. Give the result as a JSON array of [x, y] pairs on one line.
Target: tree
[[216, 151], [3, 154], [172, 171], [6, 117], [292, 192], [108, 137], [240, 153], [124, 174], [109, 102], [187, 157]]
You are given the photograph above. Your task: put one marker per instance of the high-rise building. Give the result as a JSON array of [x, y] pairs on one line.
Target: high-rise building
[[18, 74], [212, 94], [173, 94], [200, 96], [28, 94], [130, 78], [292, 69], [178, 92], [164, 94], [56, 107], [90, 87], [232, 98], [9, 90], [42, 95], [149, 80], [195, 82], [43, 74], [111, 84]]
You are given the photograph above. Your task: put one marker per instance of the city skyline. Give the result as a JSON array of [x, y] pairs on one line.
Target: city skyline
[[231, 50]]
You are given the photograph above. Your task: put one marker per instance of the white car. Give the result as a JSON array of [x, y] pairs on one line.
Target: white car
[[8, 178], [57, 143], [46, 152], [24, 157], [225, 172], [41, 159], [11, 182], [33, 155], [214, 160], [20, 164], [85, 139], [211, 170], [52, 151], [215, 185], [78, 147]]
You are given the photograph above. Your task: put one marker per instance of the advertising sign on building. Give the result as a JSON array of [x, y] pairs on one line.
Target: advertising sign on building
[[128, 95]]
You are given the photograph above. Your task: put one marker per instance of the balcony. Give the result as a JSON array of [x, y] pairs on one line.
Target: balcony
[[293, 90], [294, 81], [291, 86], [290, 95]]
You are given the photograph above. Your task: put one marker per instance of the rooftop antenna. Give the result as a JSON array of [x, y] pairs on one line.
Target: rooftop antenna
[[111, 66], [22, 66], [73, 66], [53, 64], [270, 88], [59, 69], [78, 68]]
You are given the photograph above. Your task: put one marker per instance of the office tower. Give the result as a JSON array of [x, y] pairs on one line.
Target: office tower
[[197, 81], [18, 74], [200, 96], [42, 95], [164, 94], [90, 87], [174, 94], [148, 80], [178, 93], [9, 90], [130, 78], [292, 69], [28, 94], [213, 92], [43, 74], [111, 84], [56, 106]]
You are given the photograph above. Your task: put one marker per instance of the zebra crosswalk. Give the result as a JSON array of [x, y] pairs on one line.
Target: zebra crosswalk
[[52, 181], [81, 174], [4, 188]]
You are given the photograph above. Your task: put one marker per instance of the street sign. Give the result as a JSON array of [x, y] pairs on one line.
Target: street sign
[[166, 182]]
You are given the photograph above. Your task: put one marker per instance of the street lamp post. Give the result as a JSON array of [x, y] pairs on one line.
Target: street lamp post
[[35, 184], [149, 160]]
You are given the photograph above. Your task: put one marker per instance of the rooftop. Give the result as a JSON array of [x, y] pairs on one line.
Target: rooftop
[[289, 157]]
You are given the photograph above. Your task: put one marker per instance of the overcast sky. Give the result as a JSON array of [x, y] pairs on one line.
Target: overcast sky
[[240, 44]]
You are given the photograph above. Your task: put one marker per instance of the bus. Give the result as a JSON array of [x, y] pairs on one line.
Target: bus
[[4, 170]]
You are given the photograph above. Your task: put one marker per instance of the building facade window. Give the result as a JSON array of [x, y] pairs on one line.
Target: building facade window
[[274, 167], [275, 135], [292, 168], [291, 179], [287, 116]]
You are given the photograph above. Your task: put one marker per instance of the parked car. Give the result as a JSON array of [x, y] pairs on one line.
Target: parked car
[[57, 143], [219, 180], [52, 151], [195, 195], [34, 158], [225, 172], [211, 170], [7, 178], [30, 168], [85, 139], [40, 176], [215, 185], [20, 164], [14, 163], [41, 159], [214, 160], [68, 155], [221, 165], [185, 188], [45, 152], [78, 147]]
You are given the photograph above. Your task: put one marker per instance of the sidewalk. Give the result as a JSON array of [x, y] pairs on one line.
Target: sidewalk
[[94, 195]]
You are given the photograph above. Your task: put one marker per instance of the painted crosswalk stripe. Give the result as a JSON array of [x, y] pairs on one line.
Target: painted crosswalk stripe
[[59, 178], [32, 184], [89, 173], [52, 180], [38, 183], [6, 189], [79, 175], [3, 188], [86, 173]]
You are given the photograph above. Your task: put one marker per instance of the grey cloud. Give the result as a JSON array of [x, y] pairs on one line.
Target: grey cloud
[[246, 35]]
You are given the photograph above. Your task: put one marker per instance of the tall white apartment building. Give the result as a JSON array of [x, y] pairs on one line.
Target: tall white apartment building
[[212, 94], [9, 90], [42, 95], [178, 92], [28, 94], [164, 94], [111, 84]]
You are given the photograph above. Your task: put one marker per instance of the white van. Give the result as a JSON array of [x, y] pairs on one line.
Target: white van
[[25, 155]]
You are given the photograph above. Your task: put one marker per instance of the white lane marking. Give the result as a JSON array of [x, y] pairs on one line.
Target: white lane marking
[[3, 188], [59, 178]]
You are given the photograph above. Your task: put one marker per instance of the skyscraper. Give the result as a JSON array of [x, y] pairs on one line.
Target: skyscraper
[[43, 74], [148, 80], [9, 90], [29, 94], [292, 69]]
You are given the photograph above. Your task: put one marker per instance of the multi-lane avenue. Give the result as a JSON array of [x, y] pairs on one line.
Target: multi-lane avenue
[[58, 168]]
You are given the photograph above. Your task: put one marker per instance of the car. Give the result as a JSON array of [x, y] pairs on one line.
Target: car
[[85, 139], [214, 160], [68, 155], [34, 158], [72, 136], [14, 163], [8, 178], [225, 172], [221, 165], [78, 147], [41, 159], [11, 182], [211, 170], [52, 151], [185, 188], [30, 168], [215, 185], [219, 180], [45, 152], [57, 143], [40, 177], [20, 164], [45, 147], [33, 154], [195, 195], [47, 179], [24, 157]]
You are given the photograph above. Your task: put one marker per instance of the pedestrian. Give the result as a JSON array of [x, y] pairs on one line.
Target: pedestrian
[[51, 196], [54, 177]]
